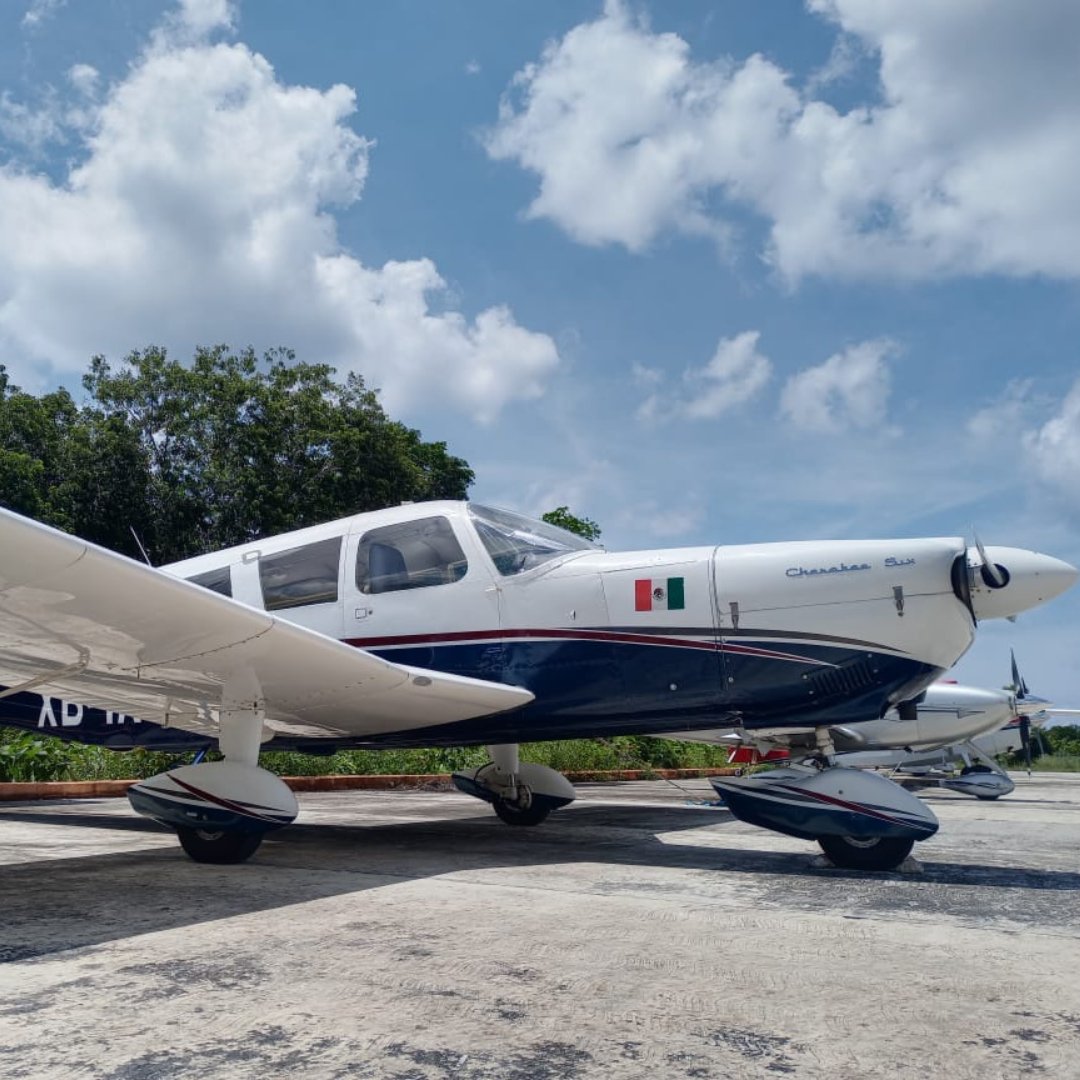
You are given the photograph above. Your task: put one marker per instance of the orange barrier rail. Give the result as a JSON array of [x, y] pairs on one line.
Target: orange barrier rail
[[105, 789]]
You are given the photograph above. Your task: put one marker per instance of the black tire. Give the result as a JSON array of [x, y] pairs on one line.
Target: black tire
[[871, 853], [516, 815], [218, 847]]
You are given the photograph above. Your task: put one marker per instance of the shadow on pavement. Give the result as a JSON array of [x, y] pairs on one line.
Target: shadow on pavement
[[54, 905]]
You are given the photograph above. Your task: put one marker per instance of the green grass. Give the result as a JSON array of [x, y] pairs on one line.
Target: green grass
[[29, 757], [1052, 763], [26, 756], [1062, 745]]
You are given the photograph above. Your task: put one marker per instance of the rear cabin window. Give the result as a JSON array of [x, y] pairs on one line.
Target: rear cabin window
[[301, 576], [411, 555], [219, 581]]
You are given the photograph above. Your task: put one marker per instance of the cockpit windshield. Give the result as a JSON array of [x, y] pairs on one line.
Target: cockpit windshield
[[517, 543]]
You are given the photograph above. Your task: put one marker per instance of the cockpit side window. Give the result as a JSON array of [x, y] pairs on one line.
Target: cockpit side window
[[219, 581], [410, 555], [301, 575], [517, 543]]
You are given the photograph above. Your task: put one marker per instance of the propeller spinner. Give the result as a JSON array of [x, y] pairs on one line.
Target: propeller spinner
[[1007, 581]]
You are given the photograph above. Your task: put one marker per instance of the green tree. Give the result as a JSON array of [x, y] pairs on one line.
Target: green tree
[[35, 451], [215, 452], [562, 517], [1064, 740]]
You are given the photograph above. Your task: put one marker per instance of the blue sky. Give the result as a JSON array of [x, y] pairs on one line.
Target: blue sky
[[706, 272]]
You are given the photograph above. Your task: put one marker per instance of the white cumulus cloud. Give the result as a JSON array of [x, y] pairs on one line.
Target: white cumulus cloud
[[200, 211], [39, 11], [735, 375], [1005, 419], [1054, 448], [849, 390], [85, 78], [963, 163], [32, 127], [193, 20]]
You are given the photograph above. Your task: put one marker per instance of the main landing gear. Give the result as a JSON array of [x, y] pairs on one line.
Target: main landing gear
[[981, 775], [520, 792], [861, 820], [869, 853], [221, 810], [520, 815], [218, 846]]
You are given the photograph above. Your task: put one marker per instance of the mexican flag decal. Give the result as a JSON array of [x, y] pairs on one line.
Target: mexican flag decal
[[659, 594]]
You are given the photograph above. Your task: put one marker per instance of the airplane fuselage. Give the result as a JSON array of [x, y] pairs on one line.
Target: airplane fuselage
[[758, 636]]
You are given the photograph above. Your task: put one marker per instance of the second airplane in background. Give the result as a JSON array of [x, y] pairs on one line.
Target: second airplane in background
[[948, 739], [964, 760]]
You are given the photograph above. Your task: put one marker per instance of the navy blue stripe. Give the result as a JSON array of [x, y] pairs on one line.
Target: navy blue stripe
[[597, 686]]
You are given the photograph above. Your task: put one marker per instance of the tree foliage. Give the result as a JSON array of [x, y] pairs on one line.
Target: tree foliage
[[210, 453], [583, 526], [1063, 739]]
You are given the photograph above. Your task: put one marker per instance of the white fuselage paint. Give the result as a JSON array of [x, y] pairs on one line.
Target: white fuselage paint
[[137, 642]]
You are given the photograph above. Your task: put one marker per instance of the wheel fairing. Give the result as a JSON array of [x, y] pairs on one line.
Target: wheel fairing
[[219, 795], [832, 802]]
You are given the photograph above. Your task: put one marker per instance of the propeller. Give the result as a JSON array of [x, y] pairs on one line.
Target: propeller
[[1023, 696], [1018, 682], [994, 575], [1025, 741]]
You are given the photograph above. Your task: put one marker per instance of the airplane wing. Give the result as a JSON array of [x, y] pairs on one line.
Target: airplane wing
[[84, 624]]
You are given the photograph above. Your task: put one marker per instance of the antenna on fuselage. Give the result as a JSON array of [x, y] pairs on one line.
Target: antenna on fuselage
[[146, 558]]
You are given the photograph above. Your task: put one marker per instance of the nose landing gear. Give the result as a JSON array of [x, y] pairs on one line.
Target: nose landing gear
[[868, 853], [861, 820], [520, 792]]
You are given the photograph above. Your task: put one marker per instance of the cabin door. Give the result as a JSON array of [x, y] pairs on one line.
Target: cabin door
[[418, 592]]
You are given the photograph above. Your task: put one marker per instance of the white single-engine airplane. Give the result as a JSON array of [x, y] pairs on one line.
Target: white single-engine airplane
[[450, 623]]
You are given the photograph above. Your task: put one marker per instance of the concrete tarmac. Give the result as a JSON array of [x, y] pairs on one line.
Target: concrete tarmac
[[413, 935]]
